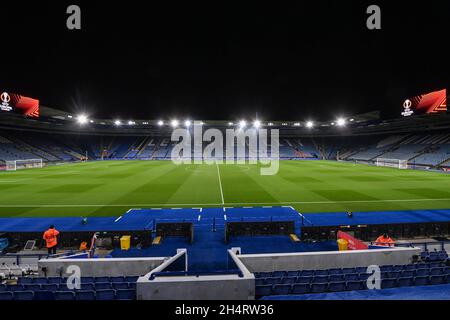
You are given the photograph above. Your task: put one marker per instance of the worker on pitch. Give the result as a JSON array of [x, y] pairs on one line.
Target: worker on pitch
[[51, 239]]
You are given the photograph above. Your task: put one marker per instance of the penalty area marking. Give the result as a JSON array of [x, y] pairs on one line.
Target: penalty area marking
[[220, 184], [151, 205]]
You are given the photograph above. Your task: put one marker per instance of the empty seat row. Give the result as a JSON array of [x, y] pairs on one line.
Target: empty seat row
[[344, 271], [302, 288], [59, 280], [64, 287], [69, 295]]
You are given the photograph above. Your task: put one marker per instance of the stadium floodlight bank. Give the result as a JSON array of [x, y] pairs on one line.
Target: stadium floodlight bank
[[392, 163], [13, 165]]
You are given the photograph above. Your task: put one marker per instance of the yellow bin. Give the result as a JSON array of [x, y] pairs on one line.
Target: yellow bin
[[342, 244], [125, 242]]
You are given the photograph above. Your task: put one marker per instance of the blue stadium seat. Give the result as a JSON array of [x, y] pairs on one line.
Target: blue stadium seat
[[321, 273], [120, 286], [437, 279], [265, 290], [319, 287], [336, 278], [85, 295], [258, 282], [408, 273], [6, 296], [354, 285], [273, 281], [24, 280], [405, 281], [394, 274], [422, 281], [107, 294], [388, 283], [101, 279], [107, 285], [422, 272], [365, 276], [320, 279], [16, 287], [351, 277], [398, 268], [49, 287], [64, 295], [307, 273], [361, 270], [87, 280], [289, 280], [410, 267], [23, 295], [55, 280], [278, 274], [348, 270], [292, 273], [387, 268], [304, 279], [446, 270], [32, 287], [125, 294], [434, 265], [335, 271], [300, 288], [117, 279], [336, 286], [40, 281], [131, 278], [281, 289], [87, 287], [44, 295], [436, 271], [3, 287]]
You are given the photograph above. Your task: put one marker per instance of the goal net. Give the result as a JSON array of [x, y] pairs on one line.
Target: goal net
[[392, 163], [13, 165]]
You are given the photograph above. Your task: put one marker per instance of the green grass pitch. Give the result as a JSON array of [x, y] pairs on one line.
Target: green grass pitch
[[112, 187]]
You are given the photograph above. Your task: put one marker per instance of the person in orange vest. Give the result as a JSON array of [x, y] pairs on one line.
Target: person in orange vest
[[51, 240], [385, 240]]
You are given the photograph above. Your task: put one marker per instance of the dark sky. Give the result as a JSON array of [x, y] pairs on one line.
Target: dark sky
[[224, 60]]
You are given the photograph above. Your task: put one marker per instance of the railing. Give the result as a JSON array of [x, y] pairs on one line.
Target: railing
[[196, 273]]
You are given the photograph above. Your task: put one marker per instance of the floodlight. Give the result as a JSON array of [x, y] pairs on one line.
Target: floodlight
[[117, 122], [131, 122], [309, 124], [230, 123], [340, 122], [174, 123], [242, 124], [297, 124], [82, 119], [270, 124], [257, 124], [160, 123], [187, 123]]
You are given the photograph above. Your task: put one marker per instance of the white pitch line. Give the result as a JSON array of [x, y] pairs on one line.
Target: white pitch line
[[220, 183], [236, 204], [118, 219]]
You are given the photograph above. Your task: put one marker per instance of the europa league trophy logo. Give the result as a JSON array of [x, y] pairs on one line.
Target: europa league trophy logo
[[407, 108]]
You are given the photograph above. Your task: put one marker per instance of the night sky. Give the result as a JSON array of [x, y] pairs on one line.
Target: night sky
[[223, 60]]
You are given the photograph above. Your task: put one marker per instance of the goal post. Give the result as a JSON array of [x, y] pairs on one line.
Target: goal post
[[392, 163], [13, 165]]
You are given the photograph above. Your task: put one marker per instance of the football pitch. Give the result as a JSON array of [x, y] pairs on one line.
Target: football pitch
[[110, 188]]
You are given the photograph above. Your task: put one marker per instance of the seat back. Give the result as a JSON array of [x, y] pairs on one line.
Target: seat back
[[23, 295], [85, 295], [64, 295], [6, 296], [125, 294], [105, 294]]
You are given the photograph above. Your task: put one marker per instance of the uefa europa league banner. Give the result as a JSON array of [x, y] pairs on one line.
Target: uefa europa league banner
[[16, 103]]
